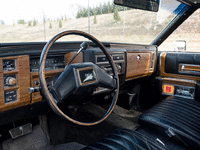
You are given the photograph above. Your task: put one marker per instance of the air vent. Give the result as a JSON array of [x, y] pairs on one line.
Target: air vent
[[103, 58]]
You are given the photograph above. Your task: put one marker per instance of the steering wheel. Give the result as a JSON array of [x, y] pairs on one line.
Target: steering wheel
[[78, 79]]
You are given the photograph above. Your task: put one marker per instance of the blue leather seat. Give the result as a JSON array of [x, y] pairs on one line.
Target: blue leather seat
[[172, 124], [125, 139], [178, 118]]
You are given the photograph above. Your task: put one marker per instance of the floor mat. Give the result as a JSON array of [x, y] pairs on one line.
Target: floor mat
[[131, 115], [37, 140]]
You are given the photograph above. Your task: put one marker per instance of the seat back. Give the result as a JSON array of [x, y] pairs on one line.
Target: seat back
[[178, 118]]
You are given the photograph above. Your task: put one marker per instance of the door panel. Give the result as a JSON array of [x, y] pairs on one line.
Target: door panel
[[180, 71]]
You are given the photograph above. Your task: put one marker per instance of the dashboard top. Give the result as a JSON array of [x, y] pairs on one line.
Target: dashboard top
[[63, 47]]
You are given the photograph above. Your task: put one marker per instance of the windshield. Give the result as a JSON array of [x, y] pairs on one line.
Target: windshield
[[39, 21]]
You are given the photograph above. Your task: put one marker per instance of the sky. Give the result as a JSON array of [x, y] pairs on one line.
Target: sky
[[13, 10]]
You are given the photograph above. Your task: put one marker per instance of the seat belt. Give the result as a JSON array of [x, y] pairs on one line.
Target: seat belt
[[175, 137]]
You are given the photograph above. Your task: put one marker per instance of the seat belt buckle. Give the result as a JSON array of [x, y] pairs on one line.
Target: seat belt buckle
[[170, 132], [174, 136]]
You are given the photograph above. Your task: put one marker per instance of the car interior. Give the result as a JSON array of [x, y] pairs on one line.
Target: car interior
[[100, 95]]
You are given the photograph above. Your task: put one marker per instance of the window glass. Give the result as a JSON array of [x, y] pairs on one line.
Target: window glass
[[188, 31], [39, 21]]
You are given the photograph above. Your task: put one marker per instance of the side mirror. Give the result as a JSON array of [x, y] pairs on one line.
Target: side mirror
[[151, 5], [179, 45]]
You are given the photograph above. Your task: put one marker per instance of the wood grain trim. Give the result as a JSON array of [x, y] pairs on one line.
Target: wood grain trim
[[49, 72], [139, 68], [11, 72], [70, 55], [162, 63], [88, 82], [182, 82], [162, 70], [23, 82], [189, 67]]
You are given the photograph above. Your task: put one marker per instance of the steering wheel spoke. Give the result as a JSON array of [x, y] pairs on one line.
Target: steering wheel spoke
[[105, 80]]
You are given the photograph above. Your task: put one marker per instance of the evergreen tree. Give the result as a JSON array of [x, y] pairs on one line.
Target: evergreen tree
[[50, 26], [95, 19], [109, 7], [29, 23], [105, 9], [34, 22], [60, 24], [116, 14], [100, 9], [21, 21]]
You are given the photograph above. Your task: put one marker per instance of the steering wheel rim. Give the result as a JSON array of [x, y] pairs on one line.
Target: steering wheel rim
[[43, 83]]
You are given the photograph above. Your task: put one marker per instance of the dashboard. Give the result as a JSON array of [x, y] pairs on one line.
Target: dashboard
[[19, 72]]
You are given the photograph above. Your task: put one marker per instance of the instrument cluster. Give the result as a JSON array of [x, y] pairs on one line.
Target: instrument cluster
[[51, 63]]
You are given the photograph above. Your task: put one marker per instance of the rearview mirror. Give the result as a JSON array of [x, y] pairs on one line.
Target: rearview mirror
[[151, 5], [179, 45]]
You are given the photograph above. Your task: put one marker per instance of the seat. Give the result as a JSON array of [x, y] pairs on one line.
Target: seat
[[178, 118], [126, 139]]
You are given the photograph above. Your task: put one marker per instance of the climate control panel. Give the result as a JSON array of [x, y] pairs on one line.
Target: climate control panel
[[10, 96]]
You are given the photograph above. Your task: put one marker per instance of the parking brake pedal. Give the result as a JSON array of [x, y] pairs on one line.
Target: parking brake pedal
[[21, 130]]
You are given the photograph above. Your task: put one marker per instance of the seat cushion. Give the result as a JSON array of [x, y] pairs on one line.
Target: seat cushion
[[126, 139], [177, 117]]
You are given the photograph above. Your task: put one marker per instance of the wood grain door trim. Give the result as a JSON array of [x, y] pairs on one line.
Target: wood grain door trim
[[189, 68], [182, 82]]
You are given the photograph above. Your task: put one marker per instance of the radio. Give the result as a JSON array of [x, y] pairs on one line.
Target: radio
[[119, 59]]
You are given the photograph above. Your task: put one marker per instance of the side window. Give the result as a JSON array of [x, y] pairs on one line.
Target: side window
[[188, 31]]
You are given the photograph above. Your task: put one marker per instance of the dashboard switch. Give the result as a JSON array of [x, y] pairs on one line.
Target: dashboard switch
[[36, 82], [33, 89], [119, 68]]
